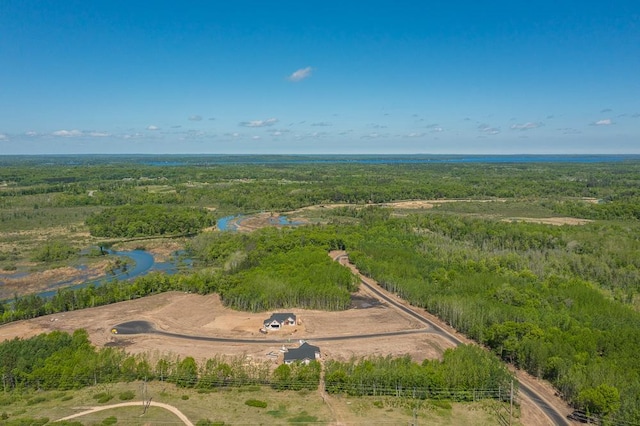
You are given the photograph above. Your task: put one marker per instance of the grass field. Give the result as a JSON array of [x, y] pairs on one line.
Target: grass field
[[229, 406]]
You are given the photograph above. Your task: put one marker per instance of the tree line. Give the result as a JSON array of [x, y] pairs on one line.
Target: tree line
[[460, 375], [61, 361], [138, 221]]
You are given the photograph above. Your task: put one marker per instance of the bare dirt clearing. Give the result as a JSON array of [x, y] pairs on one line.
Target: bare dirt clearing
[[192, 314], [557, 221]]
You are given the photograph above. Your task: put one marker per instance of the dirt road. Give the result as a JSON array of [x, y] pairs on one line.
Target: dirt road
[[141, 404]]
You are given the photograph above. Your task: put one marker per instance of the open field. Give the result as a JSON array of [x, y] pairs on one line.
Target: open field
[[228, 405]]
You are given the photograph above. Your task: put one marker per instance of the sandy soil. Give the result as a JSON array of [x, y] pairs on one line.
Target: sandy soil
[[206, 316], [261, 220], [557, 221]]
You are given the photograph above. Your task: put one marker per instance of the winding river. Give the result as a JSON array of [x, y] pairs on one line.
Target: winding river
[[139, 263]]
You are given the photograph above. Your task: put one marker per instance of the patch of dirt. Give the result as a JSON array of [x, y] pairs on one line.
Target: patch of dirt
[[427, 204], [261, 220], [557, 221], [193, 314]]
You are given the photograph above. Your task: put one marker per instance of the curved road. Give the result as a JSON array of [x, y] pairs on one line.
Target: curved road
[[167, 407], [145, 327], [554, 415]]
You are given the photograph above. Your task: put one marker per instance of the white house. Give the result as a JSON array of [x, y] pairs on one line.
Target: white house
[[277, 321]]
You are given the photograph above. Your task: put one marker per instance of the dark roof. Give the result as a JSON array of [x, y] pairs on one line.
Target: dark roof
[[280, 317], [305, 351]]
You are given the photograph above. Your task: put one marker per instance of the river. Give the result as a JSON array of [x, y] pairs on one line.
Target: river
[[139, 263]]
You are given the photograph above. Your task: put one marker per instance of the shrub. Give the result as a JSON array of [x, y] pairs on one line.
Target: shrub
[[255, 403], [440, 403], [111, 420], [27, 421], [184, 397], [207, 422], [36, 400], [127, 395], [102, 397], [54, 251]]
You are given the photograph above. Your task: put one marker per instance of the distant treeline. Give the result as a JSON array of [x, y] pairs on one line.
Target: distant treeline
[[249, 188]]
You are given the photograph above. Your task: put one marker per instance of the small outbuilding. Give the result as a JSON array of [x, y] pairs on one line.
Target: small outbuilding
[[304, 353], [279, 320]]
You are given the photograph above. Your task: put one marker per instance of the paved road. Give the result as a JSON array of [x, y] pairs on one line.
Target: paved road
[[554, 415], [145, 327]]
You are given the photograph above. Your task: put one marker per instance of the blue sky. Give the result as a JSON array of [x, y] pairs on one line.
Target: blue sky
[[353, 77]]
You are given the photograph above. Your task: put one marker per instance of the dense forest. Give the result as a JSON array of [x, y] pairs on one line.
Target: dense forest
[[138, 221], [558, 301]]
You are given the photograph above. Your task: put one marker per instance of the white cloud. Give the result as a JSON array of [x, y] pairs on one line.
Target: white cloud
[[526, 126], [3, 137], [31, 133], [259, 123], [195, 118], [255, 138], [131, 135], [99, 134], [152, 127], [604, 122], [300, 74], [485, 128], [321, 124], [414, 135], [67, 133]]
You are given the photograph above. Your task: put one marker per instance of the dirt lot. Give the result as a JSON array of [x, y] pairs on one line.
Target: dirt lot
[[549, 220], [206, 316]]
